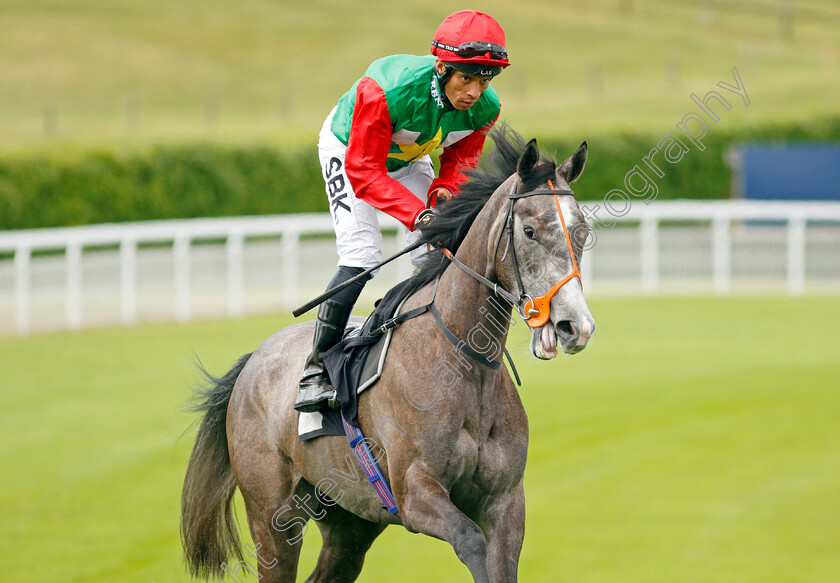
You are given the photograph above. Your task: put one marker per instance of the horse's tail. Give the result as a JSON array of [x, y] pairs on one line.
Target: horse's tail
[[208, 527]]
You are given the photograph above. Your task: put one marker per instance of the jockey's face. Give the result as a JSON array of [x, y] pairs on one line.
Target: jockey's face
[[461, 89]]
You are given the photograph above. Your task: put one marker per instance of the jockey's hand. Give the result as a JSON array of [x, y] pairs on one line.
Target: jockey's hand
[[440, 195], [425, 219]]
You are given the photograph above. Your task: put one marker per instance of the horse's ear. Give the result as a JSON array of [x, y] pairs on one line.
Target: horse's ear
[[528, 160], [572, 168]]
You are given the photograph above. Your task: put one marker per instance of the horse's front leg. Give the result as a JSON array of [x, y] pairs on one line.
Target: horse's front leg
[[503, 521], [425, 507]]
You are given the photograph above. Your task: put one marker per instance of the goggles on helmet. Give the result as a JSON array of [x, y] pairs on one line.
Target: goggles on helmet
[[474, 69], [474, 49]]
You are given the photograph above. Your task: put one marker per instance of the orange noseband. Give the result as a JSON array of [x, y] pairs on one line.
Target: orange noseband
[[538, 309]]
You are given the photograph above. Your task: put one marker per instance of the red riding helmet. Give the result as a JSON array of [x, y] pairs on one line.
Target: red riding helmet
[[471, 42]]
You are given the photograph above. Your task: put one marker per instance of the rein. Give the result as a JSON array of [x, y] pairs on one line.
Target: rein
[[535, 311]]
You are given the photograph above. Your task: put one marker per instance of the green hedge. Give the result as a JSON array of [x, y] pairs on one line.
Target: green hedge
[[168, 181], [700, 174], [165, 182]]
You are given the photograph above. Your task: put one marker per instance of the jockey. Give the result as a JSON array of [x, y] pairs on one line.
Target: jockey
[[374, 151]]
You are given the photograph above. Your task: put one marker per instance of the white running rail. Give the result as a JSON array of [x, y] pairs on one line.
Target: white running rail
[[717, 222]]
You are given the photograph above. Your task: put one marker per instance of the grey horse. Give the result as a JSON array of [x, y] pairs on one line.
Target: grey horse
[[450, 434]]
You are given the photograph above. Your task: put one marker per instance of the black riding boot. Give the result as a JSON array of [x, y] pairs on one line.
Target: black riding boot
[[315, 389]]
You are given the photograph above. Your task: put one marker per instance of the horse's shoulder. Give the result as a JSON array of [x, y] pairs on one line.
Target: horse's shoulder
[[510, 409]]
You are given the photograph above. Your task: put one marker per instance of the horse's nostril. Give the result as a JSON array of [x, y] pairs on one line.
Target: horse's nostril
[[565, 328]]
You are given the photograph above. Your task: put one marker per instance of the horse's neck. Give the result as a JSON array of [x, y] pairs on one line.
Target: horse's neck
[[469, 308]]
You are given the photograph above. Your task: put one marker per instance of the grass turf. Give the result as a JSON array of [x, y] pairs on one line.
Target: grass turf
[[141, 71], [694, 440]]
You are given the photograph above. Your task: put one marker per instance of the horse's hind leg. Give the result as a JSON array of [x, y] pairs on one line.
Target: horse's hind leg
[[268, 484], [274, 553], [346, 539]]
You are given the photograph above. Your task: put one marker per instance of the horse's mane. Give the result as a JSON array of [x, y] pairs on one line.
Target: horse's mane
[[456, 215]]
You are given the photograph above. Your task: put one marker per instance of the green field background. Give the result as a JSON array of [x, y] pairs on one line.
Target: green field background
[[694, 440], [138, 71], [152, 109]]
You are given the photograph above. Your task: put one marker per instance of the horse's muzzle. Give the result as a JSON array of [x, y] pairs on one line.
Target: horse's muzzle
[[569, 335], [574, 336]]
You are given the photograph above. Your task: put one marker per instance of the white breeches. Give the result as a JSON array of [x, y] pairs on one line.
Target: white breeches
[[358, 238]]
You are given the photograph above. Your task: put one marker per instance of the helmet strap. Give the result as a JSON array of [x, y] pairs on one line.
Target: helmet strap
[[442, 79]]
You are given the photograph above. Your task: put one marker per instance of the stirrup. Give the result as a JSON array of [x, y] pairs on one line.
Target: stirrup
[[314, 389], [314, 392], [314, 405]]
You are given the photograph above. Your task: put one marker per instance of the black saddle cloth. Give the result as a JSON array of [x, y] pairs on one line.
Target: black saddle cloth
[[345, 361]]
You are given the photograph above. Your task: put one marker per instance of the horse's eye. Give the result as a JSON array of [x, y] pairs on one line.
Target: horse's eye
[[529, 232]]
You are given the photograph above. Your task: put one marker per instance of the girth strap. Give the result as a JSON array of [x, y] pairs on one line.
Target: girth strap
[[369, 466], [354, 435]]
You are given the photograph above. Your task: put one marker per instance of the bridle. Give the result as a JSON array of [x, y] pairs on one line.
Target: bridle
[[535, 311]]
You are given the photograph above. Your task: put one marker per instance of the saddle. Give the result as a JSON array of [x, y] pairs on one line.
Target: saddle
[[357, 361]]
